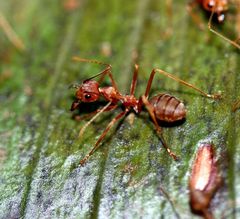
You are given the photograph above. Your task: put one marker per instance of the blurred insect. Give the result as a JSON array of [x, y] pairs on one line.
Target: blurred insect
[[71, 5], [11, 35], [162, 107], [204, 180], [236, 105], [217, 8]]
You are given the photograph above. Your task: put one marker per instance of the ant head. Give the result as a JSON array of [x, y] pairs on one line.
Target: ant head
[[209, 4], [88, 91], [218, 7]]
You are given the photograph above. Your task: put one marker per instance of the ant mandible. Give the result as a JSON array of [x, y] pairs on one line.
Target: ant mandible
[[215, 7], [162, 107]]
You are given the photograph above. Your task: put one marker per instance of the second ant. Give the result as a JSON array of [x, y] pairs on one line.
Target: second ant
[[218, 9], [163, 107]]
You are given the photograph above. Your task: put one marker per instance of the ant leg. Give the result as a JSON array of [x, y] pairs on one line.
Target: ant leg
[[194, 16], [12, 36], [89, 115], [103, 73], [150, 109], [234, 43], [134, 80], [96, 146], [97, 113], [213, 96], [236, 105]]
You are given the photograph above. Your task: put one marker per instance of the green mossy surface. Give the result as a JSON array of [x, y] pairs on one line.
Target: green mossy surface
[[131, 175]]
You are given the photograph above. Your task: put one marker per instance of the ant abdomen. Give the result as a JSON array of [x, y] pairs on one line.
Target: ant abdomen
[[168, 108]]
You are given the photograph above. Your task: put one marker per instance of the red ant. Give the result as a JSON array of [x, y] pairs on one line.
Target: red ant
[[162, 107], [218, 8]]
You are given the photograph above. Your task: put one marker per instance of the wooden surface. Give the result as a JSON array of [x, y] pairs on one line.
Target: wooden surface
[[131, 175]]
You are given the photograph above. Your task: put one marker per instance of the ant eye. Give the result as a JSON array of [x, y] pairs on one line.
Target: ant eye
[[87, 96]]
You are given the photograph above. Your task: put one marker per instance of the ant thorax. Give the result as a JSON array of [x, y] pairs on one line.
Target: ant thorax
[[130, 101], [110, 94]]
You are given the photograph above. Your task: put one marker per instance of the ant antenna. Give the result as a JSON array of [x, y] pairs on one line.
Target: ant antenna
[[107, 70], [76, 86], [78, 59]]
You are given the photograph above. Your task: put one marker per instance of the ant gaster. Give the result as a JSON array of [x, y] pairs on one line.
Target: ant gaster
[[160, 107], [215, 7]]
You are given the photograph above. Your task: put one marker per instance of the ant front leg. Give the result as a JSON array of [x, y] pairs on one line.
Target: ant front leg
[[91, 114], [97, 113], [213, 96], [97, 144], [150, 109]]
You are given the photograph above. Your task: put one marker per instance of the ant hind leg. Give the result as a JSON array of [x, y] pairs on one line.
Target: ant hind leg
[[150, 109], [213, 96]]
